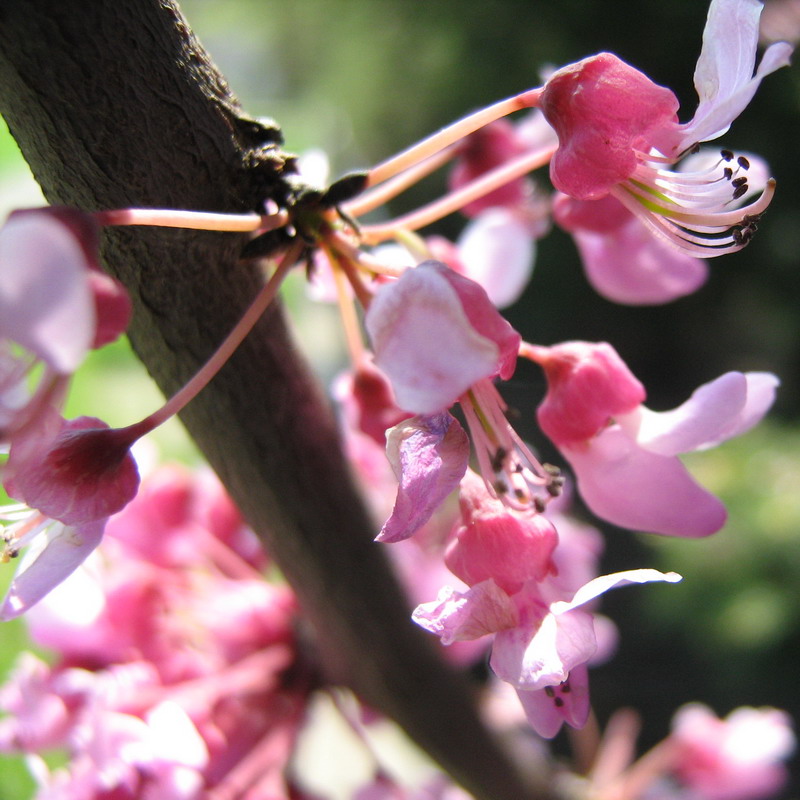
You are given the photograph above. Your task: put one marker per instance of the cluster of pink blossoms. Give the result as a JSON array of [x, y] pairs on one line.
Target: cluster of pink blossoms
[[645, 205]]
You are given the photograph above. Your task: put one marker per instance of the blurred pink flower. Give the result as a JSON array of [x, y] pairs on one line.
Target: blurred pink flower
[[737, 758]]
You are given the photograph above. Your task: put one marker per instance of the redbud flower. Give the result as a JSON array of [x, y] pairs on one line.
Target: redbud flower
[[625, 457], [541, 644], [618, 133], [737, 758]]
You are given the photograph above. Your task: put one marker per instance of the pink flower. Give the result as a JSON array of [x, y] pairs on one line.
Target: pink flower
[[624, 262], [435, 333], [625, 457], [541, 642], [618, 130], [736, 758], [73, 475]]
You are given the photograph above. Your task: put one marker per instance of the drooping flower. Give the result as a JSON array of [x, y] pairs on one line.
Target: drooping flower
[[618, 134], [72, 475], [440, 341], [435, 334], [541, 642], [625, 457]]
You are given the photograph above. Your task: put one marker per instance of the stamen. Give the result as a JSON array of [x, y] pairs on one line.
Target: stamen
[[510, 471]]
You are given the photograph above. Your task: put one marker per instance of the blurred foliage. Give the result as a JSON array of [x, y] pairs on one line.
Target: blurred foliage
[[365, 78]]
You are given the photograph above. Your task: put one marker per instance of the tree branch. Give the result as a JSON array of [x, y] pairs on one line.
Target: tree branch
[[114, 104]]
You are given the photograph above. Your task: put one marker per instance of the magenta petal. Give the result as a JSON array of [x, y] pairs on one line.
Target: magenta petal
[[569, 702], [65, 549], [603, 111], [429, 456], [634, 488], [80, 473], [464, 616]]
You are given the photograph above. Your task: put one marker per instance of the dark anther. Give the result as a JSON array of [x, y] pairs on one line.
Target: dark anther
[[554, 488], [728, 173], [739, 191], [549, 691], [520, 494], [739, 181], [500, 487], [558, 702], [538, 504], [743, 162], [498, 458], [726, 154], [565, 687]]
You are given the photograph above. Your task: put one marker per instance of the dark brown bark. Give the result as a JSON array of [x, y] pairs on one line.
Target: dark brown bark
[[115, 104]]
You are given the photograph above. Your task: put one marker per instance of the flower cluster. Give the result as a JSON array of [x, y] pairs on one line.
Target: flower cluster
[[177, 634]]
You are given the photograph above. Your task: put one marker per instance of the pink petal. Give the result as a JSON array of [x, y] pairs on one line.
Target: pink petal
[[497, 251], [507, 547], [463, 616], [624, 262], [542, 648], [62, 550], [724, 74], [594, 588], [716, 411], [45, 301], [429, 456], [603, 110], [425, 342], [547, 710], [634, 488]]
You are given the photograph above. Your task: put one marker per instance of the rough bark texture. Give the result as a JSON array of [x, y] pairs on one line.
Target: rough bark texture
[[115, 104]]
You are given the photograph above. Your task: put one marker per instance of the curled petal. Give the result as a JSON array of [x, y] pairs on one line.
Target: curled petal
[[598, 586], [463, 616], [635, 488], [429, 456], [724, 76], [542, 649], [716, 411]]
